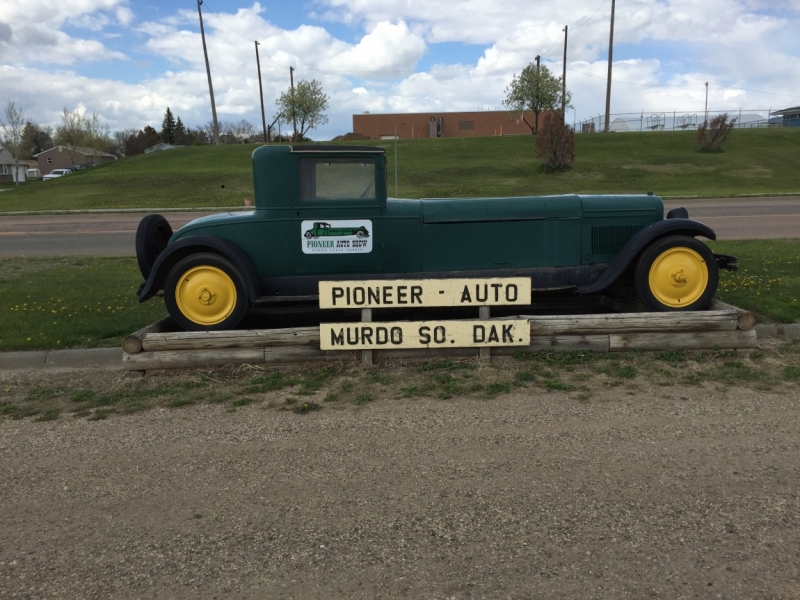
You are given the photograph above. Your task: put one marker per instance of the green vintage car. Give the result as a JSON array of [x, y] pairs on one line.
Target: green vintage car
[[215, 268]]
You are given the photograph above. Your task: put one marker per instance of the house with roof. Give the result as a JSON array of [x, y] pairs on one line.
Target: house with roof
[[71, 157], [790, 117], [10, 171]]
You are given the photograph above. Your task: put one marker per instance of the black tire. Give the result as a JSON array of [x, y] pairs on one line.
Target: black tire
[[210, 264], [360, 233], [152, 237], [678, 271], [308, 235]]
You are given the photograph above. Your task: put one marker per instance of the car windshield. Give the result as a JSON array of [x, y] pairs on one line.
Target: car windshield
[[335, 178]]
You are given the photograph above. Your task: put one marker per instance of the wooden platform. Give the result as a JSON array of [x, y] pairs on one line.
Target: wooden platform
[[159, 346]]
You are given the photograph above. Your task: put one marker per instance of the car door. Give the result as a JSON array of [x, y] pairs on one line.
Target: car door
[[339, 214]]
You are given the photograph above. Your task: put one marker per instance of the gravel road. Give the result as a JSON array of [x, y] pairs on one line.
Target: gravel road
[[662, 492]]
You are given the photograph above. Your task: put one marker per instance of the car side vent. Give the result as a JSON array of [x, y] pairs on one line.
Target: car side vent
[[609, 239]]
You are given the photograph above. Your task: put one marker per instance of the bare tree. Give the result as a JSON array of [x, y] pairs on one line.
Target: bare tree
[[712, 134], [79, 131], [11, 138], [243, 130], [555, 144]]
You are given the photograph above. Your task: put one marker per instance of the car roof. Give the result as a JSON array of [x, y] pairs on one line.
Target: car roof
[[337, 148]]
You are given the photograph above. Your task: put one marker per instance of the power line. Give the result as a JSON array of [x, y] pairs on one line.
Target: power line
[[498, 63], [590, 18]]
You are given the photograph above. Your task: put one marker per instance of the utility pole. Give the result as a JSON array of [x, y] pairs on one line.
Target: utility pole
[[208, 72], [706, 113], [610, 60], [294, 107], [261, 92], [564, 79], [538, 59]]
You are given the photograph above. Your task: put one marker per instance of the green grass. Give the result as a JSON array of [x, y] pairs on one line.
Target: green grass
[[61, 398], [69, 302], [755, 161], [768, 279]]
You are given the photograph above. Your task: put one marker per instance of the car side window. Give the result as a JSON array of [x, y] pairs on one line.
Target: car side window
[[337, 178]]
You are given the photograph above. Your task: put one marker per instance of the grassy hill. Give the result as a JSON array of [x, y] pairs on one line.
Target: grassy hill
[[756, 161]]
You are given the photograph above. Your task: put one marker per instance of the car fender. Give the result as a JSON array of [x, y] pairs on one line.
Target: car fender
[[631, 250], [192, 245]]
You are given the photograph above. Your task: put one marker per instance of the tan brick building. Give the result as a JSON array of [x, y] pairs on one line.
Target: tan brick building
[[71, 157], [443, 124]]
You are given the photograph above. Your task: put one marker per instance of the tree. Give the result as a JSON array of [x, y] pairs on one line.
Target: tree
[[243, 130], [168, 127], [711, 135], [306, 106], [79, 131], [11, 127], [35, 139], [555, 143], [535, 90], [180, 133]]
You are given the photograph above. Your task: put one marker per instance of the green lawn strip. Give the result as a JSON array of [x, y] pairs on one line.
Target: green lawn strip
[[768, 279], [580, 376], [755, 161], [71, 302]]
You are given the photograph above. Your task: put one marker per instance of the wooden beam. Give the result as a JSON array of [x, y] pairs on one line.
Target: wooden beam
[[701, 340], [133, 343], [246, 338], [633, 322], [747, 320], [146, 361], [560, 343]]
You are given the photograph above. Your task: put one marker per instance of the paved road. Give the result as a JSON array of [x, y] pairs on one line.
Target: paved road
[[107, 234]]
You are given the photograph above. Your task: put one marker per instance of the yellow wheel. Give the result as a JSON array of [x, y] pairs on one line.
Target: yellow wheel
[[205, 291], [677, 273], [205, 295]]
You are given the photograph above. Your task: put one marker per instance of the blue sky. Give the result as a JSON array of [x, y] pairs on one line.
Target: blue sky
[[127, 60]]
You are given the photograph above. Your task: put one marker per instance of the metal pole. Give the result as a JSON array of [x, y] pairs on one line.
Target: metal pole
[[208, 72], [294, 108], [610, 61], [706, 119], [564, 79], [395, 161], [261, 92]]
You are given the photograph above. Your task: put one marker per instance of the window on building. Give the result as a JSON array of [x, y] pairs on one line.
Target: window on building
[[49, 160], [3, 170], [334, 178], [466, 125]]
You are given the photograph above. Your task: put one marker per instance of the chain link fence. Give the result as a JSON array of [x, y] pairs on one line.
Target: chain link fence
[[676, 120]]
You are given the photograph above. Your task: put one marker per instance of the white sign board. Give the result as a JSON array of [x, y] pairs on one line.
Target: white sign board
[[424, 334], [421, 293], [336, 236]]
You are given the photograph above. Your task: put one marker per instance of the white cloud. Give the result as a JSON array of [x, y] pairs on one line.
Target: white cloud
[[387, 47], [741, 43], [35, 30]]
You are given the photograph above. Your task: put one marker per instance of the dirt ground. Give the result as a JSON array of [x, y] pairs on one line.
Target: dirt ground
[[670, 476]]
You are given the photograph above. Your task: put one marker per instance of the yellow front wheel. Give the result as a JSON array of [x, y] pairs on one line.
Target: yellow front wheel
[[676, 273], [205, 292]]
